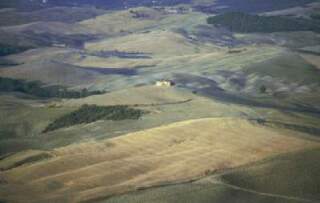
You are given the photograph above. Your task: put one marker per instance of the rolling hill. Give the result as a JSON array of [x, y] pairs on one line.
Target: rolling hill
[[239, 122], [154, 157], [219, 188]]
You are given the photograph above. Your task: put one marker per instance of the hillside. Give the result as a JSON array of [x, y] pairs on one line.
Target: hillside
[[219, 188], [165, 150], [248, 5], [106, 4], [124, 21], [246, 23], [55, 72], [243, 5], [168, 101], [154, 43], [55, 14]]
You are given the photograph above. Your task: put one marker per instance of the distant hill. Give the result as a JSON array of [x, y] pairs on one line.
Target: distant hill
[[107, 4], [251, 6], [11, 17], [247, 23], [254, 6]]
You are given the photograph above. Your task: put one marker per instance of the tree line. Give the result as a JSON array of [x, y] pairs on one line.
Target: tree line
[[92, 113], [9, 49], [36, 88]]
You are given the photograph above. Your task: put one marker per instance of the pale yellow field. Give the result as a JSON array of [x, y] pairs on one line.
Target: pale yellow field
[[174, 153], [49, 27], [155, 42], [122, 21], [39, 54], [113, 62], [170, 51], [144, 95]]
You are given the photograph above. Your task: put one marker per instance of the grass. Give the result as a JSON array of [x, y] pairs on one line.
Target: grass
[[5, 63], [156, 43], [22, 120], [23, 158], [167, 154], [41, 65], [9, 49], [247, 23], [57, 14], [25, 119], [295, 175], [190, 193], [315, 16], [312, 59], [144, 95], [288, 67], [98, 160], [36, 88], [122, 21], [92, 113]]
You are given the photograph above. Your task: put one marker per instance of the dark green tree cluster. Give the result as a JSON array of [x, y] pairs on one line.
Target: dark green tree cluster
[[9, 49], [247, 23], [92, 113], [263, 89], [36, 88]]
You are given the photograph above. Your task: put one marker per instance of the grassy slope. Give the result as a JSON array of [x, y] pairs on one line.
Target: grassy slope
[[144, 95], [46, 65], [58, 14], [312, 59], [157, 42], [122, 21], [177, 152], [197, 58], [22, 124], [58, 28], [54, 74], [289, 67], [246, 23], [293, 174], [22, 120]]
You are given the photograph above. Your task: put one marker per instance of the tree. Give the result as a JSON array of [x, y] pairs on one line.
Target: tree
[[263, 89]]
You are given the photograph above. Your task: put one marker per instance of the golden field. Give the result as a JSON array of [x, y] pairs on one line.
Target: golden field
[[177, 152]]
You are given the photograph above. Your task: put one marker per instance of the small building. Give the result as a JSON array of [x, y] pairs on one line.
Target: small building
[[165, 83], [59, 45], [171, 10]]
